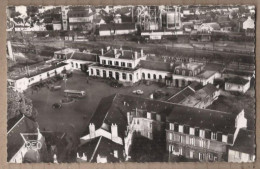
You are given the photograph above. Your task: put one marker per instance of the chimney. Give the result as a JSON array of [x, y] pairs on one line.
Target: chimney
[[135, 55], [84, 157], [115, 153], [142, 52], [108, 47], [92, 130], [114, 131], [122, 52], [128, 118], [115, 51], [102, 51]]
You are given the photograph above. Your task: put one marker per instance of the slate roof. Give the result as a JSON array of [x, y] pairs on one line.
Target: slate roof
[[14, 139], [113, 109], [103, 147], [153, 65], [84, 56], [237, 80], [245, 142]]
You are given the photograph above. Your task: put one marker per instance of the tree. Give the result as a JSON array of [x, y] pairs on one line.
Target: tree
[[15, 14], [32, 10], [17, 103]]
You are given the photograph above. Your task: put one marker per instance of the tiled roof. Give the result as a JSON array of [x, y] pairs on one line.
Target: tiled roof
[[103, 147], [237, 80], [245, 142], [160, 66]]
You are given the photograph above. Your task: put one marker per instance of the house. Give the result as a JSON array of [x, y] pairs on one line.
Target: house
[[209, 27], [200, 98], [238, 84], [188, 131], [79, 17], [249, 23], [244, 147], [25, 142], [117, 29]]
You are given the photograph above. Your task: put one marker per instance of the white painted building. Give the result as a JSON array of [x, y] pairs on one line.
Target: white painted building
[[238, 84]]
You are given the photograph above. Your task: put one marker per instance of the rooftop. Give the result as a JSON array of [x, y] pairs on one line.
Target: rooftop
[[189, 66], [245, 142], [113, 109], [84, 56], [206, 74], [34, 72], [237, 80], [237, 72], [117, 26], [122, 54], [103, 147], [160, 66]]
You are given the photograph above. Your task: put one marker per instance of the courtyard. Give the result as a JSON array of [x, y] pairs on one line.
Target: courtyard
[[73, 118]]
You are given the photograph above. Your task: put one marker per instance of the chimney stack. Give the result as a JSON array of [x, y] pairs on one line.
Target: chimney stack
[[114, 131], [128, 118], [92, 130], [115, 51], [135, 55], [142, 52], [102, 51]]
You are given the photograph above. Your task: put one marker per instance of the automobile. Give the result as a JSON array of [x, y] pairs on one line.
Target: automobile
[[56, 106], [139, 92], [115, 84]]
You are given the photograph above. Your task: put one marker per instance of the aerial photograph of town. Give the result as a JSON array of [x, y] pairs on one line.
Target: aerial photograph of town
[[115, 84]]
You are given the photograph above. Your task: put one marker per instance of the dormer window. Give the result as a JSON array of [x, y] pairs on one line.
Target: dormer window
[[116, 63], [148, 115], [224, 138], [171, 126], [181, 128], [192, 131], [202, 133], [214, 136]]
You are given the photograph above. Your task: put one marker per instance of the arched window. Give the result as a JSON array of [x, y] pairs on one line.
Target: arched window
[[149, 76], [154, 76], [72, 65], [143, 75], [160, 77], [76, 65], [130, 77]]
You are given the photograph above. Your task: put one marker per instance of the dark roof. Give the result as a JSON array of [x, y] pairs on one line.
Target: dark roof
[[182, 95], [237, 80], [209, 89], [237, 72], [117, 26], [245, 142], [14, 139], [103, 147], [196, 85], [127, 54], [84, 56], [113, 109], [152, 65]]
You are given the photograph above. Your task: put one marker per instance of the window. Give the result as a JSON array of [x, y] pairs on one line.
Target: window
[[183, 73], [160, 77], [148, 115], [171, 125], [202, 133], [158, 117], [123, 64], [110, 62], [210, 156], [180, 151], [181, 128], [130, 77], [103, 62], [215, 158], [116, 63], [76, 65], [224, 138], [214, 136], [202, 143], [237, 155], [104, 73], [191, 153], [143, 75], [190, 74], [129, 65], [170, 136], [149, 76], [72, 65], [98, 73], [154, 76], [192, 141], [151, 125], [201, 156], [177, 71], [124, 76], [91, 71], [192, 131], [110, 74]]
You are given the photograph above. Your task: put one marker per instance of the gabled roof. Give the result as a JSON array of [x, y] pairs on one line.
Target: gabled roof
[[103, 147], [182, 95], [245, 142]]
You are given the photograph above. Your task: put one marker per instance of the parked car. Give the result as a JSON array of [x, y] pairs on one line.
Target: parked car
[[115, 84], [139, 92], [56, 106]]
